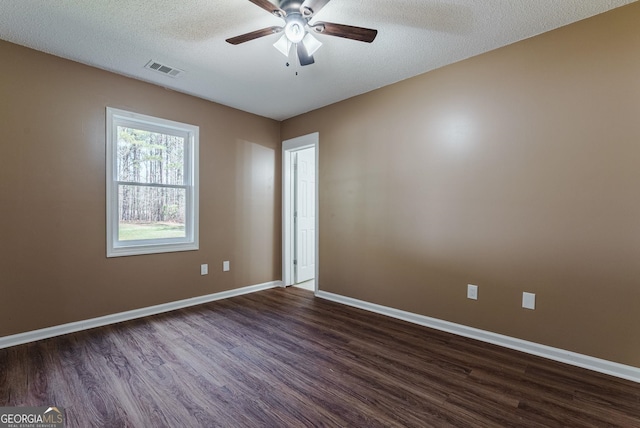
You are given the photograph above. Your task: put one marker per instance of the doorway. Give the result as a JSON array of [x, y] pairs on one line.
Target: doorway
[[300, 211]]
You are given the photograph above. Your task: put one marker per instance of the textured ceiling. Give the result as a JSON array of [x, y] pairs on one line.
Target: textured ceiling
[[414, 36]]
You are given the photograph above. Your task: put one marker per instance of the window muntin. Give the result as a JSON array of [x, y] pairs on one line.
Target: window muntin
[[152, 195]]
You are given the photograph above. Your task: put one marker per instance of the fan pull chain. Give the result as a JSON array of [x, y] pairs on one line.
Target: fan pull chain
[[296, 60]]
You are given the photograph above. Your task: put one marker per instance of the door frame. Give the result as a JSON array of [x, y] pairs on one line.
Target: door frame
[[288, 234]]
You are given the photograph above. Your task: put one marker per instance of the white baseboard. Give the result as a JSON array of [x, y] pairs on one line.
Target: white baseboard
[[568, 357], [45, 333]]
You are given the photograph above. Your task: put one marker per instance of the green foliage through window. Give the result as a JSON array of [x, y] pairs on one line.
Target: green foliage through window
[[150, 158]]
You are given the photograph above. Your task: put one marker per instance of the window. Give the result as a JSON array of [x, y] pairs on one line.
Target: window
[[152, 185]]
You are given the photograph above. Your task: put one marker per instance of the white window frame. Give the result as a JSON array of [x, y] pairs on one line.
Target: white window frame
[[115, 247]]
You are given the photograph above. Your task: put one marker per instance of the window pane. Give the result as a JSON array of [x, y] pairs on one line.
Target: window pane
[[149, 157], [151, 212]]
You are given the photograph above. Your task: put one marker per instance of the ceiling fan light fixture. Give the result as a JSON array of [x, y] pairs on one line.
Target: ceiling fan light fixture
[[283, 45], [311, 44], [295, 28]]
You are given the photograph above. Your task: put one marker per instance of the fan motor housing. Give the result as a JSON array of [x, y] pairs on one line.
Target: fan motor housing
[[290, 6]]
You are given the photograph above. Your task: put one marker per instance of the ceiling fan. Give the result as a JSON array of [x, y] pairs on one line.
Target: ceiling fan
[[297, 28]]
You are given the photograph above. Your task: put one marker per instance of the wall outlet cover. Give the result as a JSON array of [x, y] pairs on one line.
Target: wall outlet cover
[[204, 269], [226, 266], [528, 300]]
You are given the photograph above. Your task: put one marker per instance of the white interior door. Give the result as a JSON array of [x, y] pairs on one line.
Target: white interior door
[[304, 215]]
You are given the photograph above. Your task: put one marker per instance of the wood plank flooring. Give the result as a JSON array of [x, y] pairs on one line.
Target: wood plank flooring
[[283, 358]]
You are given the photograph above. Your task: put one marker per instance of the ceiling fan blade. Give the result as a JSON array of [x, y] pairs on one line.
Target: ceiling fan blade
[[346, 31], [311, 7], [270, 7], [303, 56], [253, 35]]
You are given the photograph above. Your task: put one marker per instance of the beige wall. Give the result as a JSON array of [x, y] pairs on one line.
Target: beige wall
[[517, 170], [53, 267]]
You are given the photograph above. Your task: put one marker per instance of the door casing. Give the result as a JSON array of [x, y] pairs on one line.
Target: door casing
[[288, 234]]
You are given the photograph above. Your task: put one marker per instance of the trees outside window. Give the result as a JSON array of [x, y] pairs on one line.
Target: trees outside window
[[152, 194]]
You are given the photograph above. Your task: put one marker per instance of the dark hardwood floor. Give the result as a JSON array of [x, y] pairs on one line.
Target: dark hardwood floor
[[282, 358]]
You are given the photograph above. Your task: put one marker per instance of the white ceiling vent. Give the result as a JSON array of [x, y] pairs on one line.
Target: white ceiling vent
[[164, 69]]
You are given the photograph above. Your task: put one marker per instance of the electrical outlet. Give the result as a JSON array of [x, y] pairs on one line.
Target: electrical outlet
[[472, 292], [528, 300], [204, 269], [226, 266]]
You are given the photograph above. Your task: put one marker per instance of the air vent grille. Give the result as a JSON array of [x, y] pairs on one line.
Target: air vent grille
[[164, 69]]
